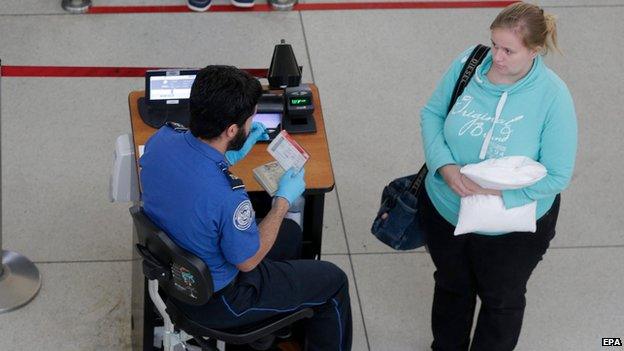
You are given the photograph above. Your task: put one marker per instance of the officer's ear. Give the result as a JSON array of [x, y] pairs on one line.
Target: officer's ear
[[230, 132]]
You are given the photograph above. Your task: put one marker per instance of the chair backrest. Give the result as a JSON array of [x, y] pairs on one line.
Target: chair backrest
[[181, 274]]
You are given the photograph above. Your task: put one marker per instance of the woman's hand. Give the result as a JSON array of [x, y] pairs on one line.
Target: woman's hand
[[453, 179], [476, 189], [461, 185]]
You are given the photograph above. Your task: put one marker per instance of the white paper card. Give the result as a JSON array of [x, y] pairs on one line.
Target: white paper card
[[288, 152]]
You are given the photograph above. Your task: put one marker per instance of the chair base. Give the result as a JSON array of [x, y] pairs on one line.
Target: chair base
[[263, 344]]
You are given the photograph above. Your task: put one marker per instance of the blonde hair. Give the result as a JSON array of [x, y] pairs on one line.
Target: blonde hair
[[536, 28]]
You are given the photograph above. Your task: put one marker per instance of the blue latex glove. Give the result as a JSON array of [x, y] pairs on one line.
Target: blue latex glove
[[291, 185], [258, 132]]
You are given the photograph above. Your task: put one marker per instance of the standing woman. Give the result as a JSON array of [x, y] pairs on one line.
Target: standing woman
[[536, 119]]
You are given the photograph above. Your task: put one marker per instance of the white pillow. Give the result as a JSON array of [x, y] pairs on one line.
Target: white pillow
[[487, 213], [506, 173]]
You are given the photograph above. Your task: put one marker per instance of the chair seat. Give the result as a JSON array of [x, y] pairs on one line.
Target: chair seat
[[236, 336]]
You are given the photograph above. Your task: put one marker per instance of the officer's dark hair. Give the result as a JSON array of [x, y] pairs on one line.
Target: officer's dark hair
[[221, 96]]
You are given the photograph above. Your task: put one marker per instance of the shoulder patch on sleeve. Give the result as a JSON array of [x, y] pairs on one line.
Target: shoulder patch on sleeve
[[178, 127], [243, 215]]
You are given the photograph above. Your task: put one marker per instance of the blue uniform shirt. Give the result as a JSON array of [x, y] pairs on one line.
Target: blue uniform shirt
[[187, 192]]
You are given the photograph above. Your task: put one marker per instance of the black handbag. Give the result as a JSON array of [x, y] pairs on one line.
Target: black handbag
[[402, 228]]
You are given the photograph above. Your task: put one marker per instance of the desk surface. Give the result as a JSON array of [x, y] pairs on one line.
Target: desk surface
[[319, 173]]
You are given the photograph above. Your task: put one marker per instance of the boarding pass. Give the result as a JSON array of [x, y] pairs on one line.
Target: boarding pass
[[288, 152]]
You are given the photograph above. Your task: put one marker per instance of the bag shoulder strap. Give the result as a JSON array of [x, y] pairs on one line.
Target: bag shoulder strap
[[475, 58]]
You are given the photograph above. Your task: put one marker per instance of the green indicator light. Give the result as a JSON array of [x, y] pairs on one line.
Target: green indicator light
[[299, 101]]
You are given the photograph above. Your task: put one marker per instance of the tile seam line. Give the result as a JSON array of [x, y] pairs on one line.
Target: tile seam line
[[85, 261], [347, 254], [305, 41], [424, 252], [357, 290]]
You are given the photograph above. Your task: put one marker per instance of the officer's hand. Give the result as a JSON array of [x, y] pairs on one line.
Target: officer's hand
[[258, 132], [291, 185]]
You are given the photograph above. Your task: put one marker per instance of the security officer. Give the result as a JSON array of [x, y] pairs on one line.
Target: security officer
[[189, 192]]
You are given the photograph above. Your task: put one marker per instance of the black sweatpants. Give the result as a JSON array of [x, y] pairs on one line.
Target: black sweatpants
[[280, 284], [496, 268]]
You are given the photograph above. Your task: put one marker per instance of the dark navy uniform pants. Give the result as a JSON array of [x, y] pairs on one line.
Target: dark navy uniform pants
[[280, 284], [496, 268]]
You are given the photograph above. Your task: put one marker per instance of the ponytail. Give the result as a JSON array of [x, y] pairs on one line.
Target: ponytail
[[551, 33]]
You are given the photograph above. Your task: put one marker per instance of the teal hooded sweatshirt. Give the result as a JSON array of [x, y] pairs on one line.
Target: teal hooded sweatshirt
[[536, 119]]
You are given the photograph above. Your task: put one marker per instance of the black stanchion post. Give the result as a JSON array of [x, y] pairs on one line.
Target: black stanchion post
[[283, 5], [19, 277], [76, 6]]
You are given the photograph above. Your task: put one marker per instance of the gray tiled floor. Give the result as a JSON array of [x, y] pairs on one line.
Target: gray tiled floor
[[56, 161], [334, 240], [81, 306], [359, 337], [374, 70], [572, 300], [188, 40], [396, 293]]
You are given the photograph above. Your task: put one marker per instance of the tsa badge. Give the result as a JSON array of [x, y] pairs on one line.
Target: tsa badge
[[243, 215]]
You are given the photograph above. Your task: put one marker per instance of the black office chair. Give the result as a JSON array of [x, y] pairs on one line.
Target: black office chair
[[182, 276]]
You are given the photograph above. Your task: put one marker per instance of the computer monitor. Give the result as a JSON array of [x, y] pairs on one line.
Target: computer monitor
[[169, 87]]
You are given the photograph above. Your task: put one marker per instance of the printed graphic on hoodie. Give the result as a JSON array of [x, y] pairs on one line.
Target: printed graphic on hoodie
[[478, 122]]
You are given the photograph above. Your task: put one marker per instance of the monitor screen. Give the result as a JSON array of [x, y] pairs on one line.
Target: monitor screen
[[270, 120], [171, 87]]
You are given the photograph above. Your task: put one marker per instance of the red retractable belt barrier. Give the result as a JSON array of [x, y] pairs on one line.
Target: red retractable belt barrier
[[321, 6], [80, 71]]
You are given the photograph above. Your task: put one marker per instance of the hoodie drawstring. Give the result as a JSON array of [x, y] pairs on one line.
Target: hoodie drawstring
[[488, 136]]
